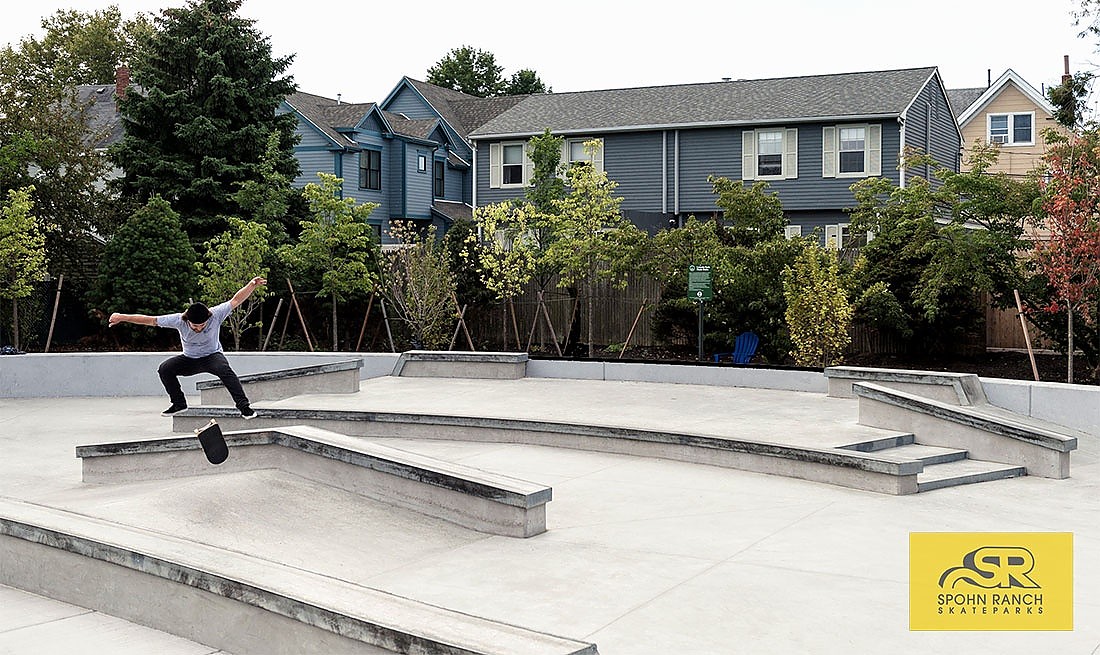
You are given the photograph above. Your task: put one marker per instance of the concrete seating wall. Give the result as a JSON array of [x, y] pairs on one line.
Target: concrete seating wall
[[953, 388], [330, 377], [234, 601], [456, 364]]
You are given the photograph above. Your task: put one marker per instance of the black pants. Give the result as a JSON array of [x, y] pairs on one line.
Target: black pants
[[215, 364]]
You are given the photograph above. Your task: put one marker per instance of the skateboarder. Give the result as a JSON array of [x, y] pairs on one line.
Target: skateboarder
[[199, 329]]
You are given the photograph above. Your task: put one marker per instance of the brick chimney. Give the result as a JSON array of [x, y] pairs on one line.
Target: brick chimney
[[122, 80]]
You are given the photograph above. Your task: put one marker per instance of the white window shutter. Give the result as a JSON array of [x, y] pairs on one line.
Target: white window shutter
[[528, 167], [828, 152], [564, 159], [494, 166], [832, 237], [597, 160], [748, 155], [874, 150], [790, 154]]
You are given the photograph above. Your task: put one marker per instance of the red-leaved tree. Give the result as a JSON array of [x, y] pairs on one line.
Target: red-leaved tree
[[1070, 256]]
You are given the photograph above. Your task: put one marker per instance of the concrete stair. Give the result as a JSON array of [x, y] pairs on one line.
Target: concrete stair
[[959, 436], [943, 467]]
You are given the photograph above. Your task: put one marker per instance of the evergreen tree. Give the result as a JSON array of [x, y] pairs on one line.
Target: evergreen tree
[[148, 267], [197, 125]]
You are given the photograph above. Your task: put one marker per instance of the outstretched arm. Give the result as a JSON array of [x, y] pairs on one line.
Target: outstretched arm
[[140, 319], [246, 291]]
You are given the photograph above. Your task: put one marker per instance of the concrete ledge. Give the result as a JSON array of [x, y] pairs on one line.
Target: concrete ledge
[[461, 364], [871, 471], [470, 497], [987, 433], [330, 377], [756, 377], [954, 388], [110, 374], [234, 601]]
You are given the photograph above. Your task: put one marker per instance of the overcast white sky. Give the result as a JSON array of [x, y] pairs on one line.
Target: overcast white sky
[[361, 49]]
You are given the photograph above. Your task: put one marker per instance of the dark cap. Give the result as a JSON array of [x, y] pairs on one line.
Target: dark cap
[[197, 313]]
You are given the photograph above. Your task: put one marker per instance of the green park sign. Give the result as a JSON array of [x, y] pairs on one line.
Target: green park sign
[[700, 287]]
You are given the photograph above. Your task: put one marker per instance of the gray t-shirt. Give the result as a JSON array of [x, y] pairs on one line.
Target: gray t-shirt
[[199, 344]]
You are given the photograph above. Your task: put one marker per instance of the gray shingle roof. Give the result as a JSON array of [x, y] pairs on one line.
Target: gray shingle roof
[[328, 114], [104, 122], [845, 95], [415, 128], [960, 99], [462, 111]]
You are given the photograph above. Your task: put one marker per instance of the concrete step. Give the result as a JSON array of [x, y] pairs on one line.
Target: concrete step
[[966, 471], [884, 443], [930, 455]]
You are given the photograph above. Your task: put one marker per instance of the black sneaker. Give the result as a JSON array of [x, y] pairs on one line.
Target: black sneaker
[[173, 409], [247, 413]]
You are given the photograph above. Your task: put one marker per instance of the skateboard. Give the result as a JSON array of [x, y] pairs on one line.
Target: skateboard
[[213, 443]]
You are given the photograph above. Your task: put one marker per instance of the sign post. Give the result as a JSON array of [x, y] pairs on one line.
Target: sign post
[[700, 289]]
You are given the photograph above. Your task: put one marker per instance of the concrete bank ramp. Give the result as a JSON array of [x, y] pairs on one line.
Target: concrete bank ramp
[[233, 600]]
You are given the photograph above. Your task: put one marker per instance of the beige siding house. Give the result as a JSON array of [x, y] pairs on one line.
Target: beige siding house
[[1011, 113]]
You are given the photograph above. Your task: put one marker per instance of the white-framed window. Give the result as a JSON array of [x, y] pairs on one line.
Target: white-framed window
[[792, 231], [509, 166], [836, 236], [769, 154], [1011, 129], [572, 152], [851, 150], [421, 163]]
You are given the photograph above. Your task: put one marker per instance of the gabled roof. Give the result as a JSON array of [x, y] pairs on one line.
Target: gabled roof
[[845, 96], [463, 112], [328, 116], [419, 129], [995, 89]]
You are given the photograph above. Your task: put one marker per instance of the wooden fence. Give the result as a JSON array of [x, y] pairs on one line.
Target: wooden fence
[[616, 312]]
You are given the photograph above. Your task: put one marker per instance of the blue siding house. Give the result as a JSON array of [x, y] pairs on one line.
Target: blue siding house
[[809, 137], [410, 153]]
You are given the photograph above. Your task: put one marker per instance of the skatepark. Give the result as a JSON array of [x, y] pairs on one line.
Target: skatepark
[[447, 503]]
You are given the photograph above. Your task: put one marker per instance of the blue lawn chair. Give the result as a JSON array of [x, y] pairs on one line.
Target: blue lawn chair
[[744, 347]]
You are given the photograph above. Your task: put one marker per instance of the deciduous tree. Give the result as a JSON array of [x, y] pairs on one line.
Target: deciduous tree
[[594, 240], [232, 259], [22, 251], [337, 250], [818, 312], [421, 286]]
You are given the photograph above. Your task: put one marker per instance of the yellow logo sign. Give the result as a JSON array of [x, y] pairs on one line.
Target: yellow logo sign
[[991, 581]]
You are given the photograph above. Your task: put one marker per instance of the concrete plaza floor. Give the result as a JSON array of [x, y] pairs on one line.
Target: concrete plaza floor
[[642, 556]]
